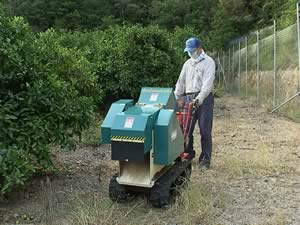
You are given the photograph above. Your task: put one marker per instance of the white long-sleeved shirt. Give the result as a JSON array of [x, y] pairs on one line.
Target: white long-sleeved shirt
[[196, 76]]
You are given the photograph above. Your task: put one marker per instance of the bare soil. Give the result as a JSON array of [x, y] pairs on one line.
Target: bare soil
[[254, 178]]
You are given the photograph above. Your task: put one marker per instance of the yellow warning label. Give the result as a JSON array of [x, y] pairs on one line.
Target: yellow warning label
[[128, 139]]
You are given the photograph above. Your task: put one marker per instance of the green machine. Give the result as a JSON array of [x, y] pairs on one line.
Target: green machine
[[147, 140]]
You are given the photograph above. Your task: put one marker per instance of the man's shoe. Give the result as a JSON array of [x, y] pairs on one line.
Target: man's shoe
[[204, 164]]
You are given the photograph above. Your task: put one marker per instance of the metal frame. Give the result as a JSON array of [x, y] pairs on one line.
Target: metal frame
[[239, 88], [246, 42], [221, 70], [232, 72], [288, 100], [257, 67], [231, 65], [224, 77], [298, 36], [274, 66], [219, 73], [298, 91]]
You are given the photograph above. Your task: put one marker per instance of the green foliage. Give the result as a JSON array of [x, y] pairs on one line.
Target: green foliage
[[71, 15], [216, 21], [2, 9], [288, 13], [223, 29], [170, 13], [131, 12], [177, 39], [92, 14], [69, 63], [248, 15], [92, 135], [127, 58], [43, 99], [218, 91], [131, 57], [180, 35], [173, 13]]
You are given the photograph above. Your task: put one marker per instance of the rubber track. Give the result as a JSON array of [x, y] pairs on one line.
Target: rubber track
[[160, 192], [118, 192]]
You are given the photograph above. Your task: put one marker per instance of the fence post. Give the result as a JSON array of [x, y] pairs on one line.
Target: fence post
[[257, 67], [239, 68], [246, 41], [229, 68], [298, 31], [233, 65], [274, 66], [224, 70], [217, 61]]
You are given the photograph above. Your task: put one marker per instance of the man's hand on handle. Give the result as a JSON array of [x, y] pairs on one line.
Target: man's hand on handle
[[180, 102], [195, 103]]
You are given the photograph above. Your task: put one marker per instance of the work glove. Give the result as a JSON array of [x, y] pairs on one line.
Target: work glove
[[195, 102], [195, 106], [198, 101]]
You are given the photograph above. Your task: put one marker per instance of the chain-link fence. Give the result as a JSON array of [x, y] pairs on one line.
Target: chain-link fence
[[264, 65]]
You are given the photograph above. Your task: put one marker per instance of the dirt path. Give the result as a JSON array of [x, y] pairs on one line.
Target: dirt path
[[254, 180], [262, 152]]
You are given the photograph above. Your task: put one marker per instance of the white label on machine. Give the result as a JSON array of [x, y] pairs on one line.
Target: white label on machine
[[129, 122], [174, 135], [153, 97]]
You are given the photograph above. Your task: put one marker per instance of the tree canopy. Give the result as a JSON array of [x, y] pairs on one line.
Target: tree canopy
[[216, 20]]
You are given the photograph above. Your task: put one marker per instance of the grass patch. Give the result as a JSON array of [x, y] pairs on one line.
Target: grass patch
[[257, 162], [293, 114], [102, 212], [105, 212], [197, 204], [250, 92], [279, 218]]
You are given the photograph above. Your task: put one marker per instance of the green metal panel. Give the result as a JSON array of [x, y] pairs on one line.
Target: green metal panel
[[115, 108], [168, 138], [155, 96], [136, 122], [172, 104]]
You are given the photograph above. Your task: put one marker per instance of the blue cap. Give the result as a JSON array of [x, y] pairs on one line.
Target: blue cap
[[192, 44]]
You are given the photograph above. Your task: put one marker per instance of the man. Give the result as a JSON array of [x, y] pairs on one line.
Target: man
[[195, 83]]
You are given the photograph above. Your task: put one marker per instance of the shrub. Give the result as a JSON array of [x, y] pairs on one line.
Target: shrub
[[129, 58], [43, 99]]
